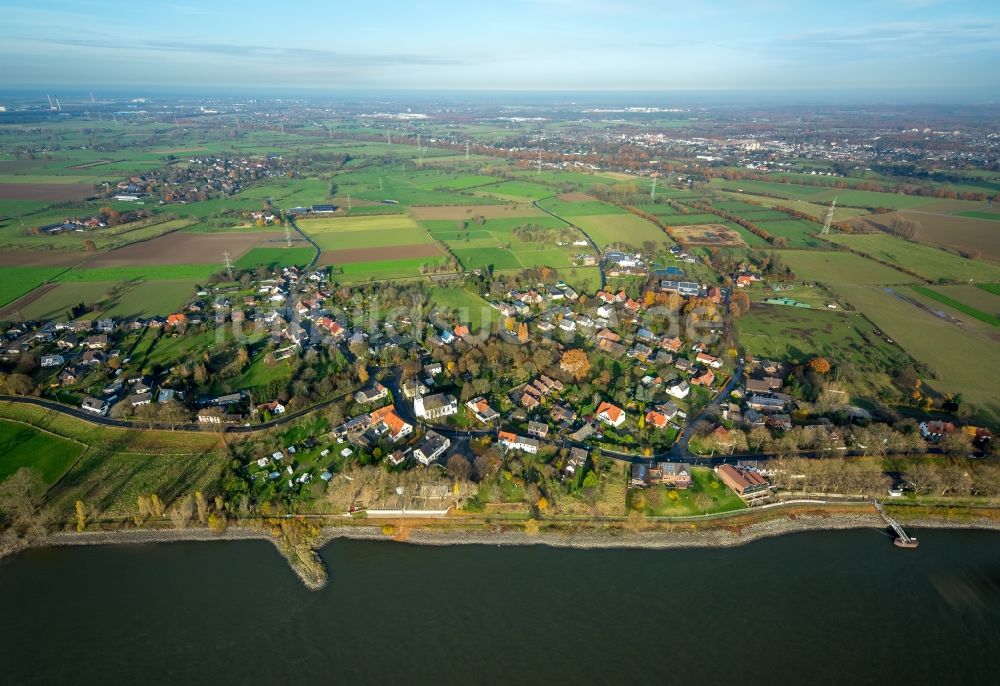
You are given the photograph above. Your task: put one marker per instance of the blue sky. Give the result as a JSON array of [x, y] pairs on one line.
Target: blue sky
[[511, 45]]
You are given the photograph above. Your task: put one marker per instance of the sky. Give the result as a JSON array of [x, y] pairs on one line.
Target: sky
[[533, 45]]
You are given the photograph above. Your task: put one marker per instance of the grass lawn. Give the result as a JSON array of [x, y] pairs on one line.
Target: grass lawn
[[470, 307], [795, 231], [494, 242], [931, 263], [706, 495], [608, 229], [840, 267], [500, 258], [123, 464], [26, 446]]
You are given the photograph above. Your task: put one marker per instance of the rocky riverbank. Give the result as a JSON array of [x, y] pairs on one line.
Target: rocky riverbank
[[308, 565]]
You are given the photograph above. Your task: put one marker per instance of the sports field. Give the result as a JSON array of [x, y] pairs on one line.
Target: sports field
[[841, 267], [931, 263]]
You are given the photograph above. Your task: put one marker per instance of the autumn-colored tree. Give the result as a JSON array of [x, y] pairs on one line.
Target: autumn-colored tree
[[820, 365], [81, 515], [89, 245], [362, 372], [522, 332], [576, 362], [201, 502]]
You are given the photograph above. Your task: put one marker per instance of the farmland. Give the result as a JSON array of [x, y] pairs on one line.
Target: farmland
[[931, 263], [957, 355], [467, 212], [142, 299], [968, 235], [841, 267], [276, 257], [708, 234], [990, 319], [383, 270], [181, 247], [17, 281], [364, 232], [611, 229]]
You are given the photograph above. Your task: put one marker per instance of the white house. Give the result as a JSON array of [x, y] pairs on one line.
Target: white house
[[681, 389], [433, 447]]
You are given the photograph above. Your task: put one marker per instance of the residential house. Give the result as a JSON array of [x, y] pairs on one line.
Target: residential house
[[746, 482], [707, 378], [98, 342], [575, 463], [387, 424], [52, 360], [94, 405], [639, 477], [538, 429], [709, 360], [679, 390], [657, 420], [675, 474], [367, 396], [482, 411], [611, 414], [433, 446], [514, 442]]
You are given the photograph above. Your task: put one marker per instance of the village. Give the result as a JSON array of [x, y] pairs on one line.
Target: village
[[561, 376]]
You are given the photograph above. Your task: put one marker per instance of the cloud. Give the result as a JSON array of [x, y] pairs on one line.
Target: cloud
[[268, 53]]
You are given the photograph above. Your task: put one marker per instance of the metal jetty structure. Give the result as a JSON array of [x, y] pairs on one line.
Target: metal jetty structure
[[902, 539]]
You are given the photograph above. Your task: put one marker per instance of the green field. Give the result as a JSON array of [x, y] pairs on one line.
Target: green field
[[495, 243], [993, 288], [931, 263], [980, 214], [661, 501], [469, 307], [383, 270], [18, 281], [609, 229], [158, 272], [516, 190], [796, 231], [142, 299], [840, 267], [587, 208], [961, 358], [25, 446], [348, 233], [797, 335], [990, 319], [276, 257]]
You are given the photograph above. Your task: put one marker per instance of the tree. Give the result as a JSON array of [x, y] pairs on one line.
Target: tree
[[202, 504], [458, 467], [576, 362], [820, 365], [956, 443], [81, 515], [20, 493], [522, 332]]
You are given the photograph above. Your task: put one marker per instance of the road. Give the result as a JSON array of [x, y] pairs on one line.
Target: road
[[291, 220], [597, 251]]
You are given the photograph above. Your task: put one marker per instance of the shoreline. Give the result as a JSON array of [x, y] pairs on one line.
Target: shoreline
[[677, 537]]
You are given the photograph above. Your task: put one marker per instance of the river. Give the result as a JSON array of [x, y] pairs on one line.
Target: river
[[817, 608]]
